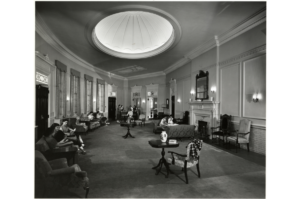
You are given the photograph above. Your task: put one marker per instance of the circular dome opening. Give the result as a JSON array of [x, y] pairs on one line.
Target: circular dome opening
[[133, 34]]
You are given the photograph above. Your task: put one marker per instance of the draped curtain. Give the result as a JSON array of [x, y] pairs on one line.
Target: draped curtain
[[75, 92], [60, 89], [100, 95], [88, 93]]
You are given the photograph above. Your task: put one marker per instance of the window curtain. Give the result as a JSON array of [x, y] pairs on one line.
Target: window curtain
[[75, 92], [60, 89], [100, 95], [88, 93]]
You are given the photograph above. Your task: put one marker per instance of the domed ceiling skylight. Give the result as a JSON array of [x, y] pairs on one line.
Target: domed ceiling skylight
[[133, 34]]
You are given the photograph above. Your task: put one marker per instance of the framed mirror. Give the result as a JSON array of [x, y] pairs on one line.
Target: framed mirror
[[201, 85]]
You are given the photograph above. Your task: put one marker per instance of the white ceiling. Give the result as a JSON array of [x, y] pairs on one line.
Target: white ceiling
[[195, 26]]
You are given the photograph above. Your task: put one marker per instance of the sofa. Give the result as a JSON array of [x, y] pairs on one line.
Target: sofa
[[177, 131], [93, 120]]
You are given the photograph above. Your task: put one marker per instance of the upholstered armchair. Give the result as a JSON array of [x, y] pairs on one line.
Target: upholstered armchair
[[57, 174], [189, 159], [68, 151], [242, 135]]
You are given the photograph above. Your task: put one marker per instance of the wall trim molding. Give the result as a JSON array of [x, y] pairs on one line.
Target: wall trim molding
[[245, 25], [259, 49], [43, 30], [160, 73], [256, 126]]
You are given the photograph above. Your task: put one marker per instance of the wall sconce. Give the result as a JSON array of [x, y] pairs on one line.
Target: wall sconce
[[94, 100], [213, 89], [256, 97], [179, 100], [192, 92], [143, 101], [68, 98]]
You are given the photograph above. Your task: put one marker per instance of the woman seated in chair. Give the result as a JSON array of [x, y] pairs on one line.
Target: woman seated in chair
[[163, 122], [170, 120], [72, 135]]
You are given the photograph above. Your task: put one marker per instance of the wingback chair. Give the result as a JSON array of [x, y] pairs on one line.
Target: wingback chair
[[57, 174], [242, 135], [188, 160]]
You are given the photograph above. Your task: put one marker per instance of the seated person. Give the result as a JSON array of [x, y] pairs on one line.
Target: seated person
[[101, 116], [163, 122], [72, 135], [170, 120], [51, 141], [130, 115]]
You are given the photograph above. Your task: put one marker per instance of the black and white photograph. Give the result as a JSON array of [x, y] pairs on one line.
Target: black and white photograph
[[153, 99]]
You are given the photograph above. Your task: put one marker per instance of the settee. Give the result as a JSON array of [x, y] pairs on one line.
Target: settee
[[93, 120], [176, 131]]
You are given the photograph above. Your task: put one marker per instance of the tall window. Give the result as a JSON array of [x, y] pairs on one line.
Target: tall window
[[60, 89], [75, 92], [100, 95], [88, 93]]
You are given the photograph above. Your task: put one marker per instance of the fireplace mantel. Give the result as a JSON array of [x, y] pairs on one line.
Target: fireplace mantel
[[203, 111]]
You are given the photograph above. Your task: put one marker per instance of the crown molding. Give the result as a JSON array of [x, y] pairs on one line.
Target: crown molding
[[43, 30], [247, 24], [259, 49], [177, 64], [160, 73]]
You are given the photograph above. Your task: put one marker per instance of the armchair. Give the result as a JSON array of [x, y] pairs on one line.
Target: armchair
[[69, 151], [57, 174], [141, 120], [242, 135], [188, 160], [223, 129]]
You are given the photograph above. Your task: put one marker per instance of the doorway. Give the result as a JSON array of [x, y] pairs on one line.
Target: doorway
[[173, 106], [41, 110], [111, 108]]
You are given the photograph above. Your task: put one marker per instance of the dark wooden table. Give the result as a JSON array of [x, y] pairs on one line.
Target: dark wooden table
[[128, 125], [68, 152], [162, 161]]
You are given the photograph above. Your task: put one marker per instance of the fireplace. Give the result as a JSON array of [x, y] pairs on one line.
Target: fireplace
[[203, 111]]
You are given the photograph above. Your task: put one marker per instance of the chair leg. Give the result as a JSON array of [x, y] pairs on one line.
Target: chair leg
[[198, 169], [186, 177], [248, 147], [236, 147], [87, 189], [185, 172]]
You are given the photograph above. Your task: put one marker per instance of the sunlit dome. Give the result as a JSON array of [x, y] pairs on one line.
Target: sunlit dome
[[133, 34]]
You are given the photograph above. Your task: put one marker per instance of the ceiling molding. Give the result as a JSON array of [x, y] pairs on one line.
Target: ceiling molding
[[249, 23], [176, 65], [160, 73], [43, 30]]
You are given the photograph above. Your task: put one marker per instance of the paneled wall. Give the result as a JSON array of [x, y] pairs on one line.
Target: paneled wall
[[242, 72]]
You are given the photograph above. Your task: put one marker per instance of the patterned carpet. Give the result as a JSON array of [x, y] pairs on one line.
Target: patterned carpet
[[121, 168]]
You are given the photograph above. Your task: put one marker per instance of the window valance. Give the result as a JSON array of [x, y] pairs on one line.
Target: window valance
[[60, 66], [88, 78], [100, 81], [75, 73]]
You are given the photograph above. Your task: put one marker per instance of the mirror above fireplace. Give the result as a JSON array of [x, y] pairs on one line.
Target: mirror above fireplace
[[201, 85]]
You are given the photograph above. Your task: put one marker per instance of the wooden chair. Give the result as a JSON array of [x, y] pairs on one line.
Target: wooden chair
[[242, 135], [141, 120], [223, 129], [188, 160]]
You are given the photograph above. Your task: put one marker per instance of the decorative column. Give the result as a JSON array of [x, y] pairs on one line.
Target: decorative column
[[216, 105]]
